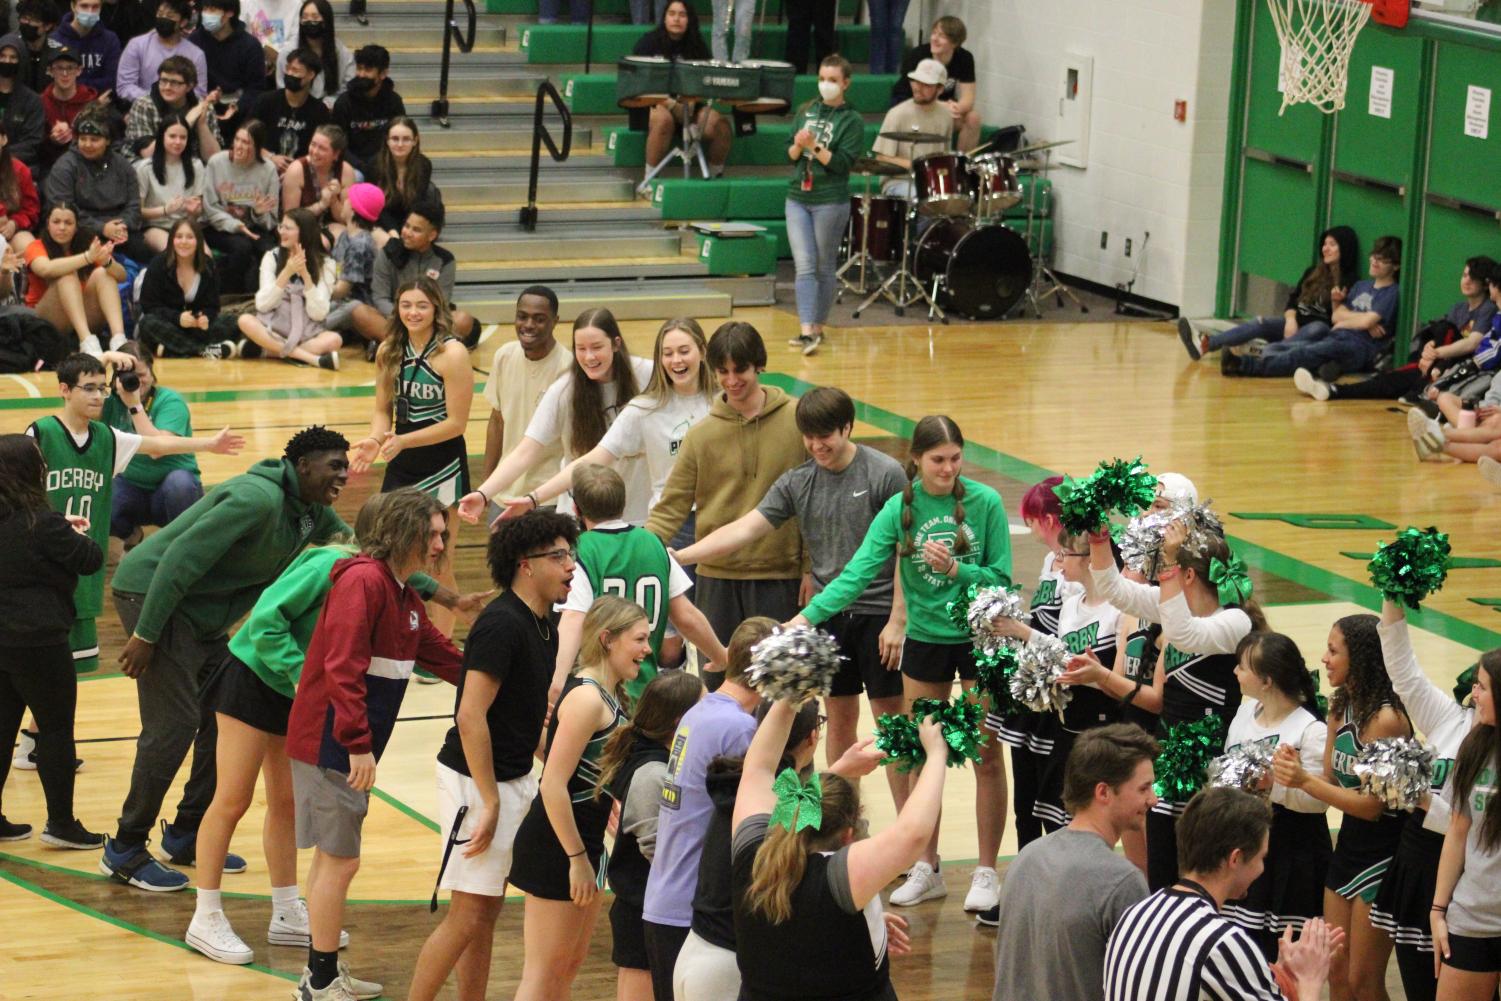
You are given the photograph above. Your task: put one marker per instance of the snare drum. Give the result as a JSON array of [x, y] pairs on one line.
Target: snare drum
[[943, 184], [985, 269], [776, 87], [997, 186], [882, 238], [705, 80], [643, 81]]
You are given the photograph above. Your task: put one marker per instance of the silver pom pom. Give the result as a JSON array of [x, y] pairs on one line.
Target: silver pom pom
[[1039, 665], [1141, 542], [991, 605], [1396, 770], [796, 662], [1244, 766]]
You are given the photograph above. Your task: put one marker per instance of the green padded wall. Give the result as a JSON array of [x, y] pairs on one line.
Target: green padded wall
[[1278, 221]]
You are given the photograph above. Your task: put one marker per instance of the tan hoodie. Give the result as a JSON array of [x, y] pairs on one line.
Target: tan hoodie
[[725, 465]]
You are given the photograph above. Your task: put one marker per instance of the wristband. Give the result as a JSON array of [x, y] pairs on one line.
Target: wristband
[[1440, 908], [482, 493], [953, 561], [1130, 696], [533, 498], [578, 853]]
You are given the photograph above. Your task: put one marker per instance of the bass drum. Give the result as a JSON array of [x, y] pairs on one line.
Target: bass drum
[[985, 269]]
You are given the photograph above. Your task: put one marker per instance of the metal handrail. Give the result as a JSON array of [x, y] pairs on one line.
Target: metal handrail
[[541, 135], [452, 34]]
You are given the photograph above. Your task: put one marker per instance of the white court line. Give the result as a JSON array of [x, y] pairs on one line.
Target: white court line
[[31, 390]]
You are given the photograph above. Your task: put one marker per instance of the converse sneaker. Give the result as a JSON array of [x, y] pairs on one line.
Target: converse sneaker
[[922, 884], [984, 890], [1310, 385], [990, 917], [1427, 435], [336, 990], [134, 866], [810, 344], [181, 848], [1490, 470], [329, 361], [71, 834], [290, 927], [1190, 339], [13, 832], [222, 351], [213, 935]]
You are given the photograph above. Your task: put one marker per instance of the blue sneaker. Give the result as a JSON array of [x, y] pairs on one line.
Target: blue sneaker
[[134, 866], [181, 848]]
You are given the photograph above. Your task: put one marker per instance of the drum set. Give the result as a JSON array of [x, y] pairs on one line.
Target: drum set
[[949, 240]]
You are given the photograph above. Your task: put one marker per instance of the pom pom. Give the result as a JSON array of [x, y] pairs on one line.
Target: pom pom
[[1182, 767], [988, 607], [1039, 665], [897, 739], [796, 662], [1244, 766], [994, 680], [959, 720], [1115, 486], [1396, 770], [1141, 541], [1412, 566]]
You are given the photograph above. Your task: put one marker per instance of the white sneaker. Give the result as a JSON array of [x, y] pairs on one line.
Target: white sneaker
[[1427, 435], [1490, 469], [1310, 385], [24, 758], [290, 927], [116, 340], [213, 935], [922, 884], [984, 890], [90, 346], [360, 990], [337, 990]]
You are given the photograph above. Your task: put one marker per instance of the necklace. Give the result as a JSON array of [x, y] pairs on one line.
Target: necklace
[[546, 636]]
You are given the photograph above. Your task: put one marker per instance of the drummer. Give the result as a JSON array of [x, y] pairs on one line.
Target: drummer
[[921, 112], [677, 36]]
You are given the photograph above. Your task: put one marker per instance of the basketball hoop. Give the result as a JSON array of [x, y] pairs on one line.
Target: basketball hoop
[[1317, 38]]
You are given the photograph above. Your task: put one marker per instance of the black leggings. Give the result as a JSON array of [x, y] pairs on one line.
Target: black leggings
[[819, 16], [1024, 773], [41, 679], [1416, 968]]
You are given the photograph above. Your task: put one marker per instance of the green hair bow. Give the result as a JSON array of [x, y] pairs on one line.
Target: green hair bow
[[799, 803], [1231, 578]]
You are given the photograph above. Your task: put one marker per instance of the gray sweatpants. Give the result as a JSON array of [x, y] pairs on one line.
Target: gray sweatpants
[[174, 717]]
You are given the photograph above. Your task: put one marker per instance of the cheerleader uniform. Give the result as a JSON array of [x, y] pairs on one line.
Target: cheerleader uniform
[[1401, 908], [1082, 628], [1365, 847], [1291, 888], [539, 865], [441, 469], [1139, 661]]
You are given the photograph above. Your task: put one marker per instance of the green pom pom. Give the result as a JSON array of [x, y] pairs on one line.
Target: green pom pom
[[896, 737], [1182, 766], [1412, 566], [994, 679], [1115, 486], [958, 609], [1318, 694]]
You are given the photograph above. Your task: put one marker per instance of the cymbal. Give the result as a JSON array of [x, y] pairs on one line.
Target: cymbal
[[915, 136], [870, 165], [1038, 147]]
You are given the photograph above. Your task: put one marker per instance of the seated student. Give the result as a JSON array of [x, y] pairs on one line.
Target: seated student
[[1362, 320], [405, 176], [677, 36], [180, 299], [1309, 304], [97, 47], [315, 33], [946, 44], [62, 101], [37, 21], [367, 106], [1444, 343], [291, 113], [922, 112], [354, 254], [317, 181], [416, 254], [20, 107], [291, 303], [171, 94], [172, 183], [1461, 435], [20, 208], [240, 198], [236, 61], [145, 53], [102, 184], [74, 280]]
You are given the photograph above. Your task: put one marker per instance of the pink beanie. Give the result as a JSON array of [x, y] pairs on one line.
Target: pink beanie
[[367, 200]]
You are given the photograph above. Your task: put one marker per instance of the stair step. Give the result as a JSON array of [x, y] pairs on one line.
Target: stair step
[[566, 43], [627, 300], [424, 29], [470, 137], [563, 269], [621, 248], [552, 189]]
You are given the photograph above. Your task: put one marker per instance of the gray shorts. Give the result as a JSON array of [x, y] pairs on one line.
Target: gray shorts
[[341, 315], [329, 813]]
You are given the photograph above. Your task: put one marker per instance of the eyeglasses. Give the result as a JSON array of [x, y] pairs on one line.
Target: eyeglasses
[[92, 389], [560, 556], [1065, 554], [822, 719], [171, 81]]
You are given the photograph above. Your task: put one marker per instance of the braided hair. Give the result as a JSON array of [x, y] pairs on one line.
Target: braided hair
[[315, 439], [932, 431], [1367, 687]]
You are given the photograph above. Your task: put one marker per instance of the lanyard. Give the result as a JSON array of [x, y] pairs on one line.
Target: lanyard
[[1198, 890], [453, 840], [403, 406]]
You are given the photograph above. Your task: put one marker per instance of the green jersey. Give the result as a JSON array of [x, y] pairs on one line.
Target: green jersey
[[632, 563], [419, 389], [80, 477]]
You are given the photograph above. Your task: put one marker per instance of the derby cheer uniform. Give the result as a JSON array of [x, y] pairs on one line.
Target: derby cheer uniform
[[1291, 888], [1139, 663], [1365, 847], [440, 470]]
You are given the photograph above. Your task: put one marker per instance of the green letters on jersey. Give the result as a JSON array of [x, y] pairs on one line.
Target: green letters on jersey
[[79, 481], [422, 387], [630, 563]]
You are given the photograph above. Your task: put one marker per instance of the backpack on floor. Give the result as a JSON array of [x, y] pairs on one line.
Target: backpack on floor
[[29, 343]]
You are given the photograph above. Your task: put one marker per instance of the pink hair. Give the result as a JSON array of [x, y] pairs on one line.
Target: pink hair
[[1039, 503]]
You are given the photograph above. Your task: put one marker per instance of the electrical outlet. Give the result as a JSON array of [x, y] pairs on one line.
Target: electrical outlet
[[1128, 246], [1104, 239]]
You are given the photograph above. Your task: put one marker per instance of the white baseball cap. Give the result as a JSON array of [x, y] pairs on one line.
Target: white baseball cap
[[931, 72], [1177, 488]]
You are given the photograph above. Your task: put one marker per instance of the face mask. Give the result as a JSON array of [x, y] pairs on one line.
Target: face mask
[[295, 83], [829, 90], [165, 27], [85, 21], [9, 71], [361, 86], [312, 29], [211, 22], [30, 32]]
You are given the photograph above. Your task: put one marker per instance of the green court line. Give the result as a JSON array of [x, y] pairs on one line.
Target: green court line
[[392, 801], [124, 925]]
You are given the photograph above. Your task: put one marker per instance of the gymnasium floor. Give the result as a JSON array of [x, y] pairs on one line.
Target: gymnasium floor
[[1031, 398]]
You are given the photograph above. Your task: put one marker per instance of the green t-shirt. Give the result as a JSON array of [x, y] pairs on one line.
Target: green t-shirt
[[842, 131], [168, 412]]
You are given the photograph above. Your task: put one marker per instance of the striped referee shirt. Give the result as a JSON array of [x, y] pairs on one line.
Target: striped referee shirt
[[1176, 946]]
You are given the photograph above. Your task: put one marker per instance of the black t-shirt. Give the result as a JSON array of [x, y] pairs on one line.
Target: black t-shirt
[[961, 70], [508, 642], [657, 43], [289, 129]]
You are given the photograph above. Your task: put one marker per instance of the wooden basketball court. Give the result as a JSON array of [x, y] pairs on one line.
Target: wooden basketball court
[[1305, 490]]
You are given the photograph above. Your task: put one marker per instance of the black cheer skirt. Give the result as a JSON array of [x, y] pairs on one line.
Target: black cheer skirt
[[1291, 888], [1402, 904]]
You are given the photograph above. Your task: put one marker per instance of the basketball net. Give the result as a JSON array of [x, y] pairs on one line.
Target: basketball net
[[1317, 38]]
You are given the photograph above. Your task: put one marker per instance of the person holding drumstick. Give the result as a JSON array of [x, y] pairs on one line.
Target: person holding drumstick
[[829, 137], [921, 112], [677, 36]]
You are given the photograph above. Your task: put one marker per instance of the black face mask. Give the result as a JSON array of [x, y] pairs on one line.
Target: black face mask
[[10, 71], [312, 29], [165, 27], [31, 32], [361, 86], [295, 83]]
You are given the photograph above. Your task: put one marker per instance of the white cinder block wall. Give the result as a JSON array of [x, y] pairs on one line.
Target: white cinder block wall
[[1146, 172]]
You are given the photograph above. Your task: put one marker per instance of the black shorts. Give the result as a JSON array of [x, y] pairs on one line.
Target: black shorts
[[1474, 955], [938, 662], [239, 692], [629, 950], [859, 638]]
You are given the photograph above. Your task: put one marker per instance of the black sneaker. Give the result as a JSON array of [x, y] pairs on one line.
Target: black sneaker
[[371, 347], [329, 361], [13, 832], [71, 834], [990, 917], [810, 344], [1330, 371], [1189, 338], [1229, 363]]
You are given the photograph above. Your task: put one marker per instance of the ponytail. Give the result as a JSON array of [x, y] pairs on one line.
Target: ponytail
[[907, 547], [1203, 547], [782, 859], [1276, 658]]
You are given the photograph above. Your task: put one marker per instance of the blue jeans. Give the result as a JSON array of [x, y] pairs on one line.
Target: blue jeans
[[887, 44], [647, 11], [1268, 328], [745, 22], [131, 506], [1351, 350], [815, 231], [548, 11]]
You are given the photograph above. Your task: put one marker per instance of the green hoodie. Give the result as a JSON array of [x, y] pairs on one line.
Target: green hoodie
[[274, 640], [216, 557], [927, 593], [840, 129]]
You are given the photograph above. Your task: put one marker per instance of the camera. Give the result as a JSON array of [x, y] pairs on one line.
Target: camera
[[128, 381]]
